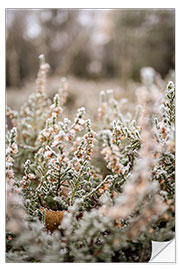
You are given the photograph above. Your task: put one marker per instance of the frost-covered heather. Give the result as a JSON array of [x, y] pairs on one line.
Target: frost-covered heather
[[90, 192]]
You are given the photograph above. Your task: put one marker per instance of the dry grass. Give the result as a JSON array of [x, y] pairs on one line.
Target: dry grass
[[80, 93]]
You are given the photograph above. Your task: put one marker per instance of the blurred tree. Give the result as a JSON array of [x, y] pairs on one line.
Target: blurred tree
[[20, 51], [57, 33], [144, 37], [89, 43], [64, 39]]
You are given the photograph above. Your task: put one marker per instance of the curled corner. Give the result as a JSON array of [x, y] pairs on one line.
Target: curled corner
[[163, 251]]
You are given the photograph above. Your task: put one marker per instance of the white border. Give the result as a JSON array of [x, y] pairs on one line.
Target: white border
[[91, 4], [2, 134], [79, 4]]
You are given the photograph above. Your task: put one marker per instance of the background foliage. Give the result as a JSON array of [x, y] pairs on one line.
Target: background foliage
[[89, 43]]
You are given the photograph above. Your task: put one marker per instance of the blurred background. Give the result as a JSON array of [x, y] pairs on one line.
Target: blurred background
[[94, 49]]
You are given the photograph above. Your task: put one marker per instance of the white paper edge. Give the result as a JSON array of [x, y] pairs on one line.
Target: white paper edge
[[163, 251]]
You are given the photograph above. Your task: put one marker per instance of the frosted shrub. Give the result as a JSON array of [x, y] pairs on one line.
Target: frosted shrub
[[75, 194]]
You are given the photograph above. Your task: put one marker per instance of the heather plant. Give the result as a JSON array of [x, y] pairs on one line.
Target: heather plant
[[82, 192]]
